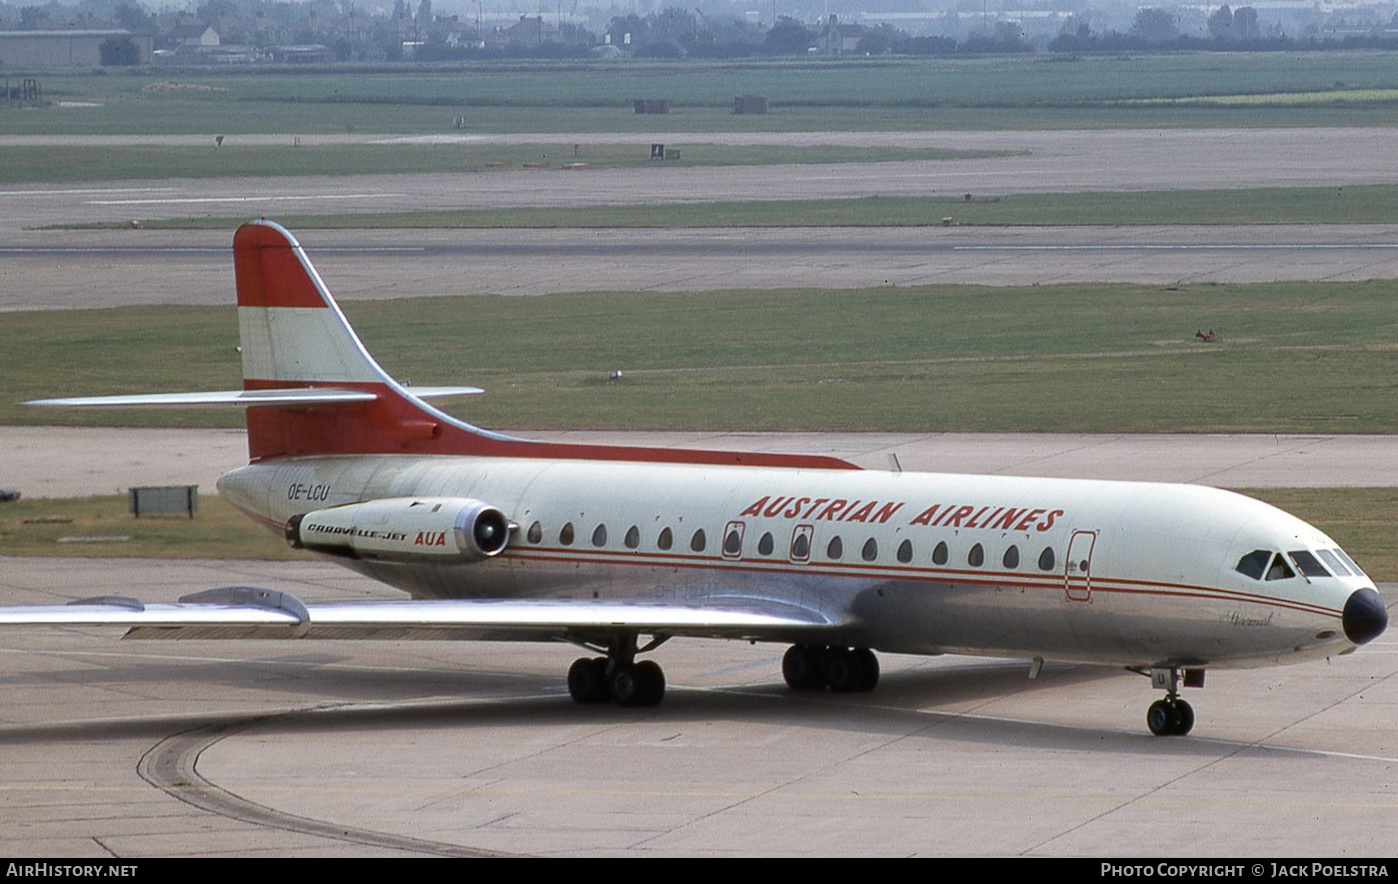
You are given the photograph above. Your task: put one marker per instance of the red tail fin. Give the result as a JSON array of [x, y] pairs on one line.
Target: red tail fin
[[294, 336]]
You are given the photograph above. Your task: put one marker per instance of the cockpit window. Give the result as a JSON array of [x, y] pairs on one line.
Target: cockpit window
[[1334, 562], [1309, 564], [1254, 564], [1358, 571], [1280, 570]]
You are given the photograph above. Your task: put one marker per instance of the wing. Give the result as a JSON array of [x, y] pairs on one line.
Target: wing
[[254, 613]]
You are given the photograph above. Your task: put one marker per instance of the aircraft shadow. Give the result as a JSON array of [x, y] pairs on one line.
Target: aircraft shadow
[[933, 704]]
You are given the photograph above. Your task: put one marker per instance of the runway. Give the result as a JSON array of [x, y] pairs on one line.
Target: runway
[[114, 268]]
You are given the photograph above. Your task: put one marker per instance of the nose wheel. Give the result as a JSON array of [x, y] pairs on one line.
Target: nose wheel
[[1171, 716]]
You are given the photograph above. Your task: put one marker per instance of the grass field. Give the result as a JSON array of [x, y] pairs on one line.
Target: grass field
[[110, 163], [1081, 358], [102, 526], [1373, 204], [1037, 91]]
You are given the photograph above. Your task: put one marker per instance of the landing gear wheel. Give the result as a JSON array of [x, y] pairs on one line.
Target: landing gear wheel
[[1186, 718], [870, 665], [851, 669], [587, 680], [801, 667], [1170, 718], [638, 684], [1160, 718]]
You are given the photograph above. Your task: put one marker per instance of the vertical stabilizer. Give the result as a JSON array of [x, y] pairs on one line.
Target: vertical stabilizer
[[293, 335], [295, 339]]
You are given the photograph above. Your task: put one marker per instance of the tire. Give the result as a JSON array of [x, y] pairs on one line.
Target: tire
[[846, 670], [639, 684], [587, 680], [1164, 718], [801, 668]]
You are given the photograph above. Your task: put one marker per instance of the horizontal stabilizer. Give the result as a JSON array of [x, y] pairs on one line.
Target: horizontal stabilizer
[[290, 396], [248, 612]]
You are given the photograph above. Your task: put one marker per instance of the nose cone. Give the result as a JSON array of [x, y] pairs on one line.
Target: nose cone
[[1365, 617]]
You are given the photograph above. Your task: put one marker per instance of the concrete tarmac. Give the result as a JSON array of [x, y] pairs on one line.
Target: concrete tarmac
[[48, 270], [135, 749]]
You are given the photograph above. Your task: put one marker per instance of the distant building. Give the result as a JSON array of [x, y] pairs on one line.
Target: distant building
[[837, 39], [66, 48], [193, 34]]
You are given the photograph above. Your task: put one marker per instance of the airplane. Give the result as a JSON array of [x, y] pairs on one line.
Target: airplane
[[619, 549]]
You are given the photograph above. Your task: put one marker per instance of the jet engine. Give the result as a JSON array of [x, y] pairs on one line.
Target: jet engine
[[403, 528]]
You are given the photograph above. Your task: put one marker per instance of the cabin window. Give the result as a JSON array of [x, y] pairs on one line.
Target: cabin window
[[835, 549], [1046, 559], [565, 535], [1308, 564], [976, 557], [1254, 564], [940, 554], [1334, 562], [666, 539], [632, 538], [1280, 570], [765, 545], [870, 550], [732, 543], [698, 541], [905, 551], [536, 533], [599, 535], [1011, 558]]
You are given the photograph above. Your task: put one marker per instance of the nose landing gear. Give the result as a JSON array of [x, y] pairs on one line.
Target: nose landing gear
[[1171, 716]]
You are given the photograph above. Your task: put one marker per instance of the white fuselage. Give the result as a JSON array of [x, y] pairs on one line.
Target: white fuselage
[[1132, 574]]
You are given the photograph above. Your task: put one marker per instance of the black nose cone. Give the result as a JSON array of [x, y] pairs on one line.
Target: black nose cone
[[1365, 617]]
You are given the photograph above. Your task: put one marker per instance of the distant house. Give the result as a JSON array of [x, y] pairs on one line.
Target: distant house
[[192, 34], [837, 39], [67, 48], [531, 31]]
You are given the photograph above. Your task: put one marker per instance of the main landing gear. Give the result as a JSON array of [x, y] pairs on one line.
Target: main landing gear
[[618, 677], [843, 670], [621, 679], [1171, 716]]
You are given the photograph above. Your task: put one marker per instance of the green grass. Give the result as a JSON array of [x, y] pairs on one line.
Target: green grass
[[1370, 204], [1360, 519], [1086, 358], [108, 163], [102, 526], [1035, 91]]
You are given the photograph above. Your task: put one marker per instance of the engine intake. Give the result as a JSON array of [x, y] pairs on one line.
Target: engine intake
[[404, 528]]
